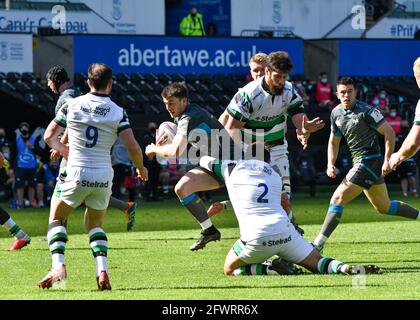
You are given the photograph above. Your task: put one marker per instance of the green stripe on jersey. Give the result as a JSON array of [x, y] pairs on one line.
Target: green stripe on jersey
[[236, 114], [255, 124]]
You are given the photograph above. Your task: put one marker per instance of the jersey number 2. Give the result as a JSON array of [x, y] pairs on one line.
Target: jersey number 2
[[261, 197], [91, 136]]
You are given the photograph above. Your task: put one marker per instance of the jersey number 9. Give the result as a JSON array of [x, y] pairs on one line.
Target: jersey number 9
[[91, 136]]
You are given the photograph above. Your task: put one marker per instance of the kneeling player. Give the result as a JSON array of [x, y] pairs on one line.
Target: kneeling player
[[265, 230]]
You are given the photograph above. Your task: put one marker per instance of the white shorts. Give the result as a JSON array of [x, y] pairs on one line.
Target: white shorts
[[279, 160], [289, 245], [91, 186]]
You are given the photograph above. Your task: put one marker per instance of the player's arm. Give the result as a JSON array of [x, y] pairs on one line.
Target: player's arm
[[408, 149], [170, 150], [51, 137], [134, 152], [224, 118], [386, 130], [333, 148], [233, 127]]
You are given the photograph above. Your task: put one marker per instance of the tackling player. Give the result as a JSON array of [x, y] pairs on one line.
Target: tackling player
[[254, 188]]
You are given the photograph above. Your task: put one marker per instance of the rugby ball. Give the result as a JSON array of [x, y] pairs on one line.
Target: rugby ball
[[166, 129]]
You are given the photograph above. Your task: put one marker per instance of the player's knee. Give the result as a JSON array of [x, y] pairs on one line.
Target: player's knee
[[228, 271], [382, 209]]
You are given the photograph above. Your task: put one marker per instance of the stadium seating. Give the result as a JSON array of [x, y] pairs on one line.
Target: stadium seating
[[140, 93]]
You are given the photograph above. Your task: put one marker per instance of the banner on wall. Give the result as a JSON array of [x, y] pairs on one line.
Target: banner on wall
[[393, 28], [179, 54], [16, 53], [308, 19], [105, 17], [377, 57]]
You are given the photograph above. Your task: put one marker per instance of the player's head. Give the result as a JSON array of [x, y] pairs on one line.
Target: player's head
[[100, 78], [175, 98], [277, 70], [416, 69], [257, 65], [257, 151], [346, 92], [56, 77]]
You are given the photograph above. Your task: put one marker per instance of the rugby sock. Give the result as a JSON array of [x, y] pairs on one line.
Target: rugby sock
[[226, 204], [254, 269], [331, 222], [118, 204], [196, 206], [57, 238], [398, 208], [330, 266], [7, 222], [99, 245]]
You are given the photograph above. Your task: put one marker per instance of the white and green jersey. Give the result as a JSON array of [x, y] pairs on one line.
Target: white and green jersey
[[417, 115], [259, 109], [254, 189], [93, 122]]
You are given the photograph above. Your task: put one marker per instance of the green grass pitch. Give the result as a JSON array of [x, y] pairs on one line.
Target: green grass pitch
[[154, 262]]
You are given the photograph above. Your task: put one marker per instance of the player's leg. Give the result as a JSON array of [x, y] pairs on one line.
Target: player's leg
[[98, 242], [96, 203], [298, 250], [21, 238], [57, 238], [379, 198], [345, 193], [217, 207], [198, 179], [252, 258], [413, 185]]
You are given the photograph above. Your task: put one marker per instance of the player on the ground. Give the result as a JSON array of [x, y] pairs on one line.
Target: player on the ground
[[259, 111], [21, 238], [411, 144], [360, 125], [191, 120], [59, 83], [265, 229], [93, 122]]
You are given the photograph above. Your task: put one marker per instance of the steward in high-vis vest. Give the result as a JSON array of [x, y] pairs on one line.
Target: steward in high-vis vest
[[192, 25]]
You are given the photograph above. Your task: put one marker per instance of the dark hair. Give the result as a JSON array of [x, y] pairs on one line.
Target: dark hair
[[177, 89], [346, 81], [58, 75], [24, 124], [99, 75], [253, 152], [323, 73], [279, 61]]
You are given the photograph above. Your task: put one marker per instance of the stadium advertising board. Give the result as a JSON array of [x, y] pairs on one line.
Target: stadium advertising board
[[178, 54], [16, 53], [394, 28], [305, 18], [377, 57], [105, 17]]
